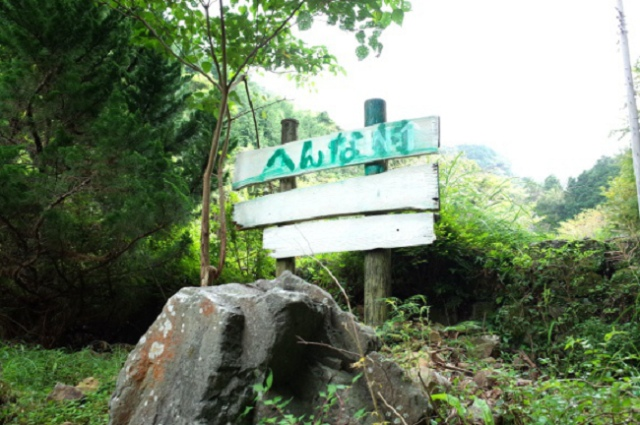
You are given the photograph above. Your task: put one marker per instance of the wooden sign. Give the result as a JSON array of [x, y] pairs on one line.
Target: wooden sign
[[353, 234], [409, 188], [374, 143]]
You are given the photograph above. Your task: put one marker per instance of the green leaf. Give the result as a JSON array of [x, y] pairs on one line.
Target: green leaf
[[305, 20], [269, 380], [485, 409], [397, 16], [451, 401], [362, 52], [147, 16], [206, 66]]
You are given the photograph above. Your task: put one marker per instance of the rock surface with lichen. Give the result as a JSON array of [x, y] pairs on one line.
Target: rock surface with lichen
[[200, 360]]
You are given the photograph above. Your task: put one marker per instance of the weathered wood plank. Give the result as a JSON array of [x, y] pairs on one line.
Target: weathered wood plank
[[353, 234], [289, 133], [410, 188], [373, 143]]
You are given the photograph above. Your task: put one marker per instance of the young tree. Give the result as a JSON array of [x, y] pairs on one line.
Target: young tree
[[222, 40], [621, 205], [551, 205]]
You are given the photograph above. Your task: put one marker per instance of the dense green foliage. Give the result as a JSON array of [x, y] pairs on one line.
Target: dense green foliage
[[480, 212], [556, 205], [550, 203], [586, 191], [270, 112], [92, 137], [622, 202]]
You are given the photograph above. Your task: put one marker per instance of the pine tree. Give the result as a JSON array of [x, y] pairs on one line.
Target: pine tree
[[91, 129]]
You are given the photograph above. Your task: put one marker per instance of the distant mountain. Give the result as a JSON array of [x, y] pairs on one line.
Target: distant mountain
[[487, 158]]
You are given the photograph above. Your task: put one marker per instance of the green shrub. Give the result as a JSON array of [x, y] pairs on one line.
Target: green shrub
[[553, 291]]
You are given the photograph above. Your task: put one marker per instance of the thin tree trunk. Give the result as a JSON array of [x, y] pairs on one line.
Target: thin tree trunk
[[631, 98], [207, 271]]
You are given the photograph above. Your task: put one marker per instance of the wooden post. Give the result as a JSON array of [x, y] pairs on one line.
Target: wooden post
[[289, 134], [377, 262]]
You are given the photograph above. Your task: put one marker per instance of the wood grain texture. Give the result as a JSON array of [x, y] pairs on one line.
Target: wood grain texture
[[377, 286], [353, 234], [374, 143], [289, 133], [410, 188]]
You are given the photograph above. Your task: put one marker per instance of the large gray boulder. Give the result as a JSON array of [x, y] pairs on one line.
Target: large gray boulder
[[200, 360]]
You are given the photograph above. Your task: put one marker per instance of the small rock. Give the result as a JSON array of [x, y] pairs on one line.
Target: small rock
[[431, 380], [392, 385], [518, 363], [483, 346], [100, 347], [424, 362], [434, 337], [492, 395], [467, 385], [485, 378], [62, 392], [88, 385]]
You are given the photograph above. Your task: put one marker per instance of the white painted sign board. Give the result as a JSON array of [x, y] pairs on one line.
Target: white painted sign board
[[352, 234], [410, 188]]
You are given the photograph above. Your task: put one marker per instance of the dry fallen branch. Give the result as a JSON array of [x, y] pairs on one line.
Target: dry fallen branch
[[395, 412], [439, 362], [331, 347], [527, 359]]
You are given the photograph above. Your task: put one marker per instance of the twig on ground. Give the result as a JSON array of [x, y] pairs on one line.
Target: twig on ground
[[438, 362], [395, 412], [320, 344]]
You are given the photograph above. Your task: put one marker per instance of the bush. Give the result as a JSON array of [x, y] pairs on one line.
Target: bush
[[554, 291]]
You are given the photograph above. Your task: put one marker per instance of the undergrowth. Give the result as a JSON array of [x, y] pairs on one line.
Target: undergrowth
[[598, 383], [28, 374]]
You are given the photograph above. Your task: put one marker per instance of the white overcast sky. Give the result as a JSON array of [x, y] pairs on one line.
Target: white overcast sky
[[539, 81]]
